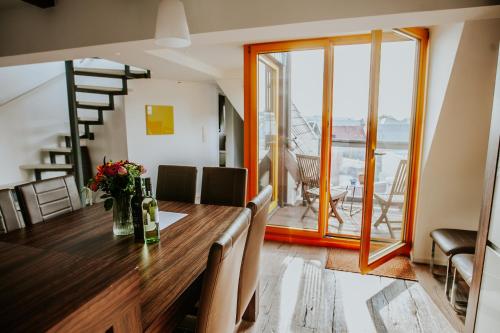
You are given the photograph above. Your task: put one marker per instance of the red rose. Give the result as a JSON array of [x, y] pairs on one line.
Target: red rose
[[122, 171], [94, 187]]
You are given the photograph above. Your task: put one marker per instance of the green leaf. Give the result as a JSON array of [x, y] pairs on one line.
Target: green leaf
[[108, 203]]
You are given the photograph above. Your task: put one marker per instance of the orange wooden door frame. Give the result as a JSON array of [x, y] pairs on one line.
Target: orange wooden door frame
[[367, 261], [318, 237]]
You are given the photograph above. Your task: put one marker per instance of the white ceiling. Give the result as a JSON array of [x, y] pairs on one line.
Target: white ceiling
[[218, 55], [7, 4]]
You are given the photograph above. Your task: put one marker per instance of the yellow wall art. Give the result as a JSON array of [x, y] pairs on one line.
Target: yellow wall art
[[159, 119]]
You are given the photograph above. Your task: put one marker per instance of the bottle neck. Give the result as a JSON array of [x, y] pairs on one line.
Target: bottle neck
[[139, 189], [148, 187], [148, 191]]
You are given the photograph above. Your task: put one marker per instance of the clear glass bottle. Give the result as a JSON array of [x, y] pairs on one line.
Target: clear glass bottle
[[150, 215], [136, 204]]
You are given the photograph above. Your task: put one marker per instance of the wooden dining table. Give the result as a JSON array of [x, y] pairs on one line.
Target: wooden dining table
[[61, 266]]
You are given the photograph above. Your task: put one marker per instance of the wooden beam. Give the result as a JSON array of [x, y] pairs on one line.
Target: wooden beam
[[41, 3]]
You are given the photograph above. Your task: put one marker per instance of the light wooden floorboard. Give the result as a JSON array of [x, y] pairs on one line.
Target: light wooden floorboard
[[435, 289], [299, 295]]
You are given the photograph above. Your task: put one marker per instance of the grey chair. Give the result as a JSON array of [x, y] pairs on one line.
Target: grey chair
[[45, 199], [248, 291], [219, 292], [176, 183], [9, 217], [224, 186]]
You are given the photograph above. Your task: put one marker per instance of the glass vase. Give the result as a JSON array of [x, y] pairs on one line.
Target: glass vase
[[122, 216]]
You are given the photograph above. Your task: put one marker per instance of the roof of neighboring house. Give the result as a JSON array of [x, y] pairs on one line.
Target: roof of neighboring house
[[356, 132]]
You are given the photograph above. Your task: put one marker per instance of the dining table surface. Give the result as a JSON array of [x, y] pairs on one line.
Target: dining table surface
[[77, 255]]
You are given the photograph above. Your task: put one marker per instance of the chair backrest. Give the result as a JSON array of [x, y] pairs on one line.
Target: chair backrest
[[250, 266], [224, 186], [9, 214], [308, 169], [45, 199], [399, 183], [176, 183], [219, 294]]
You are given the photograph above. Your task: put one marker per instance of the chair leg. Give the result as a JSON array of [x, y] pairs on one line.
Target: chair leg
[[383, 214], [309, 207], [252, 310], [459, 307], [453, 292], [433, 253], [391, 232], [447, 284], [336, 213]]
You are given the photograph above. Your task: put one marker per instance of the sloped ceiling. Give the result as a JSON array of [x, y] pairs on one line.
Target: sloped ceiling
[[18, 80]]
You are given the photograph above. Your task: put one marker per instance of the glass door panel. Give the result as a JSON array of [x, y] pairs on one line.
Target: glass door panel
[[268, 108], [351, 68], [290, 134], [394, 124]]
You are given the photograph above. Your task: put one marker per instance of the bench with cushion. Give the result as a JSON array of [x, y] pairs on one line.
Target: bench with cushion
[[463, 265], [452, 242]]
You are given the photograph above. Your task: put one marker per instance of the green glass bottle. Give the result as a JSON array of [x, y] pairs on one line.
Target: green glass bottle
[[150, 215], [136, 204]]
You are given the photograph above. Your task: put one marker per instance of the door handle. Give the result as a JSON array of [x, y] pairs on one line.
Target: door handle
[[379, 153]]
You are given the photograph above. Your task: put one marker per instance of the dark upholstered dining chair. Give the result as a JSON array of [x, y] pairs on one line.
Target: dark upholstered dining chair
[[46, 199], [219, 292], [224, 186], [176, 183], [250, 265]]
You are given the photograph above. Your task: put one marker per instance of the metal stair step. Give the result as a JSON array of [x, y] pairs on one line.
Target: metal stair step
[[100, 90], [85, 121], [111, 73], [57, 150], [47, 167], [93, 105], [67, 137]]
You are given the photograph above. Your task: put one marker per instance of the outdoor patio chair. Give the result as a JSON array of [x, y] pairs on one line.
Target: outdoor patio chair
[[394, 198], [309, 176]]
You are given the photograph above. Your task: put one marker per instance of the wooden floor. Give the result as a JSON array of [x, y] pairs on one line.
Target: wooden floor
[[299, 295]]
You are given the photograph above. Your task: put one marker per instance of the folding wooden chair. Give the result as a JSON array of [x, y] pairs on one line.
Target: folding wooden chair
[[309, 178], [398, 191]]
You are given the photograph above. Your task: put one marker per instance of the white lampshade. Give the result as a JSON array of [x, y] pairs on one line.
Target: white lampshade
[[171, 25]]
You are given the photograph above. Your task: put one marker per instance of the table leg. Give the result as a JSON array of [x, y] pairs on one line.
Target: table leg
[[352, 200]]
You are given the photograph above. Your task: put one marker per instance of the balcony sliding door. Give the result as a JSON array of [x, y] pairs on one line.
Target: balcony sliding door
[[334, 125]]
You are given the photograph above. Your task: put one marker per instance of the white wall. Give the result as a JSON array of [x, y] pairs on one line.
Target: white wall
[[110, 138], [457, 131], [233, 89], [17, 80], [34, 119], [443, 45], [31, 121], [195, 141], [234, 136]]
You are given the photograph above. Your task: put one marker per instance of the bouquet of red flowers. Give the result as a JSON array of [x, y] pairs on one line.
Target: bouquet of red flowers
[[116, 179]]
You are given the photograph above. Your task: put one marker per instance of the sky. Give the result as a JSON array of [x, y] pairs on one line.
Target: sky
[[351, 80]]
